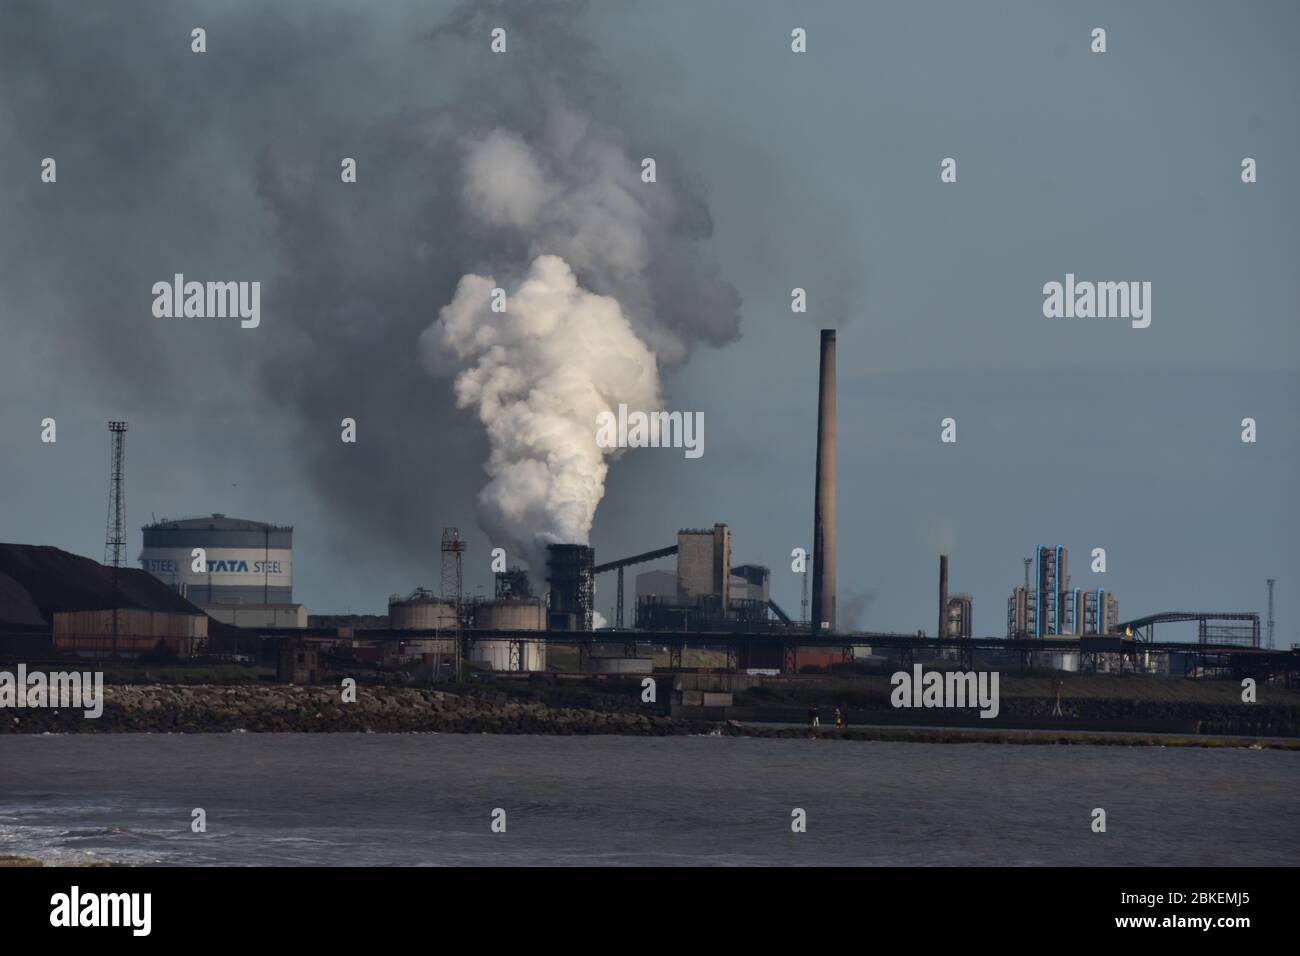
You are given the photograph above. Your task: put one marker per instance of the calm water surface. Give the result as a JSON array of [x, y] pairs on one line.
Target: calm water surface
[[427, 799]]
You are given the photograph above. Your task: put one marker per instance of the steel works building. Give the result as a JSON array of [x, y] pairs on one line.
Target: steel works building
[[244, 576]]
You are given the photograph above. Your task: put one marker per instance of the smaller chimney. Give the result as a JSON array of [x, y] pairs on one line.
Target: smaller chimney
[[943, 594]]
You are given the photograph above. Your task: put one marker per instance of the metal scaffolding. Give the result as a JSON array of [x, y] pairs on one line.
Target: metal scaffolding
[[115, 533], [452, 548]]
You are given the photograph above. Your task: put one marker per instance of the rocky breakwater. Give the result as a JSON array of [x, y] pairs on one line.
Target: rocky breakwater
[[1267, 720], [287, 708]]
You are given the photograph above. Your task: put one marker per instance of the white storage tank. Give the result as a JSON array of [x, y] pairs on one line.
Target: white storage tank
[[510, 614], [247, 562], [420, 611]]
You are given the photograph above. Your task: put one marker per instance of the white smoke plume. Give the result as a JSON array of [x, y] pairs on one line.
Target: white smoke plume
[[469, 163], [572, 190], [598, 270], [539, 374]]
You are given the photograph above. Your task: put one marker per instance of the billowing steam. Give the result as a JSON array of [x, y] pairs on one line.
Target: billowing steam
[[541, 372], [468, 163], [581, 332]]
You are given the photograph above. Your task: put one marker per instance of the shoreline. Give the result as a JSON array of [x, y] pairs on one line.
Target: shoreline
[[286, 708]]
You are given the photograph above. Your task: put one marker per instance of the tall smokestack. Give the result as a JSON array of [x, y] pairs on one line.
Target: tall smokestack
[[823, 596], [943, 592]]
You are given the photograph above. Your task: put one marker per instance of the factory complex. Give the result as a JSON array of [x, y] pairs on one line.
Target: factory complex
[[218, 586]]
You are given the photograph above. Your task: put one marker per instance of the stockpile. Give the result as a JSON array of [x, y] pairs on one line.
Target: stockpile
[[37, 581]]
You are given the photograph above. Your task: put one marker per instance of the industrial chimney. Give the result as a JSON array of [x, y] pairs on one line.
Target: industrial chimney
[[943, 595], [823, 596]]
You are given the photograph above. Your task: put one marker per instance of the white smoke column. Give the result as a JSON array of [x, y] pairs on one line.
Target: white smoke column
[[538, 375], [613, 294]]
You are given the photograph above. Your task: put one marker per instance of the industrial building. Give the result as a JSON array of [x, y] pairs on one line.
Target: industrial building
[[570, 571], [1047, 606], [957, 620], [706, 593], [513, 583], [954, 609], [129, 632], [751, 582], [704, 565], [658, 584], [954, 613], [247, 576]]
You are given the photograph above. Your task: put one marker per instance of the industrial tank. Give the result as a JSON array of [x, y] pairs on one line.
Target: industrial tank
[[528, 614], [245, 562], [420, 611]]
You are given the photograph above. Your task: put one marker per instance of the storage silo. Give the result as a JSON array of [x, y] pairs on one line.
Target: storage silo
[[246, 562], [420, 610], [244, 575], [503, 654]]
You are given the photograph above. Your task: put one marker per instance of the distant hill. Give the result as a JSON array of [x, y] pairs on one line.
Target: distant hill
[[36, 581]]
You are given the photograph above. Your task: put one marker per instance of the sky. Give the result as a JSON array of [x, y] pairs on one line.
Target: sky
[[775, 170]]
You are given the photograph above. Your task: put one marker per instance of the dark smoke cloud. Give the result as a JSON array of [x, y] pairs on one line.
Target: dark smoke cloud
[[226, 166], [851, 609]]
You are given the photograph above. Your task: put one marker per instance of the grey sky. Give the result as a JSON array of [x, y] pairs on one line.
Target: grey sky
[[819, 170]]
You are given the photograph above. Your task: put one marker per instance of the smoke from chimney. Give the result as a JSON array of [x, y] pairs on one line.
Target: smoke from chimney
[[597, 287], [543, 370], [479, 165]]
